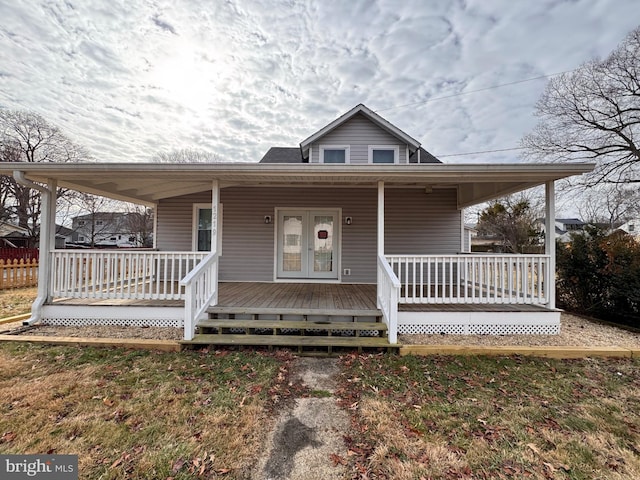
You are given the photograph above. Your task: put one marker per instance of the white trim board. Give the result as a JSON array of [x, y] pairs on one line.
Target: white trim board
[[116, 315], [482, 323]]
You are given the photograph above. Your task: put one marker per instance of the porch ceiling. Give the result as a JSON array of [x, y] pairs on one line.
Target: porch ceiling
[[148, 183]]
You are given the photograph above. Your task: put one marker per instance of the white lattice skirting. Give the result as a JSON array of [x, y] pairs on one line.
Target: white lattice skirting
[[479, 323], [123, 316]]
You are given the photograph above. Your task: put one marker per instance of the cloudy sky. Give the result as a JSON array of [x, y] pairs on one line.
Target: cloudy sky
[[130, 78]]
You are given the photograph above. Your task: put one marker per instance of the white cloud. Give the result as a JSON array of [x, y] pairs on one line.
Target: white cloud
[[130, 78]]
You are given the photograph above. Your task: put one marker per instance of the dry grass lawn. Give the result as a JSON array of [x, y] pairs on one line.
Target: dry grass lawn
[[487, 417], [16, 301], [140, 415]]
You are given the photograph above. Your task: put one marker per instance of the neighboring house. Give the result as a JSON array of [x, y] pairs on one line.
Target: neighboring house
[[13, 236], [105, 230], [470, 232], [64, 235], [632, 227], [357, 220], [564, 227]]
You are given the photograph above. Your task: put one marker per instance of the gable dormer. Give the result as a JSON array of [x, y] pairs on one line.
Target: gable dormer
[[361, 137]]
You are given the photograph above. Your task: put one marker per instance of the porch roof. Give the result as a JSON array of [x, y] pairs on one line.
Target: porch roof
[[149, 183]]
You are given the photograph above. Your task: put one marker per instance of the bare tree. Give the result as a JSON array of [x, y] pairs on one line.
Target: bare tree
[[186, 155], [97, 216], [140, 224], [608, 204], [593, 113], [28, 137]]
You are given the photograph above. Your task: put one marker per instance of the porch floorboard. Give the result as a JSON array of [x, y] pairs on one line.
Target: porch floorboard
[[470, 307], [297, 296], [305, 297]]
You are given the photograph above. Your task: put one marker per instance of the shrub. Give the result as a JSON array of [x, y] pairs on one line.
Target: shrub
[[599, 275]]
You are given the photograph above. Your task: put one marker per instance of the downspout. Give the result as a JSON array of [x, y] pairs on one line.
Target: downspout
[[43, 261]]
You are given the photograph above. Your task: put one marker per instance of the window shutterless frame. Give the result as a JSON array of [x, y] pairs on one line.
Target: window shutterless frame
[[199, 220], [382, 154], [330, 154]]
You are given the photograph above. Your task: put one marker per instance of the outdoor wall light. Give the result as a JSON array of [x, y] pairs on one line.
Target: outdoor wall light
[[267, 219], [348, 220]]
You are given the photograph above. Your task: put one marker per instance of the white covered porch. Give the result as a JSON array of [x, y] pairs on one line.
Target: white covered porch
[[403, 278]]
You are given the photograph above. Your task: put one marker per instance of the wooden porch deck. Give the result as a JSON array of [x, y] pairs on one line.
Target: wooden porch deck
[[305, 296], [300, 296]]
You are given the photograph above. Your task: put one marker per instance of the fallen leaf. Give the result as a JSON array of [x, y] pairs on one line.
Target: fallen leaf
[[177, 465], [108, 402], [534, 448], [8, 437], [337, 460], [223, 471]]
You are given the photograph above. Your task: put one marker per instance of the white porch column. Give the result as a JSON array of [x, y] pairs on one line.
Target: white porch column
[[215, 202], [47, 242], [381, 218], [53, 186], [550, 240], [215, 210]]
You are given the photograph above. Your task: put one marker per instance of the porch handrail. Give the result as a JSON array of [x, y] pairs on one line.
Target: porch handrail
[[201, 291], [387, 297], [473, 278], [120, 274]]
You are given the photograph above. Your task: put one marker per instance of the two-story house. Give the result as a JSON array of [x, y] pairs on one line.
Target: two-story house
[[358, 222], [108, 229]]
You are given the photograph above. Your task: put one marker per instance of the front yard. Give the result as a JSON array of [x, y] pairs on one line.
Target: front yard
[[487, 417], [137, 414], [133, 414]]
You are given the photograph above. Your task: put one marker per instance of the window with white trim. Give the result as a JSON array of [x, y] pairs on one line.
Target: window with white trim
[[334, 154], [383, 153], [202, 231]]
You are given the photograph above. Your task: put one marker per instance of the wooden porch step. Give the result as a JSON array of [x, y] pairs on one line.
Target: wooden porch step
[[292, 325], [328, 312], [289, 341]]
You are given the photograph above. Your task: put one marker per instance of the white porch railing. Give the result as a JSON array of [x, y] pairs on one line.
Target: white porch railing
[[201, 291], [471, 278], [121, 274], [387, 298]]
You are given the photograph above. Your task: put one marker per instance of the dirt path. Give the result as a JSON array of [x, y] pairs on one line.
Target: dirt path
[[303, 439]]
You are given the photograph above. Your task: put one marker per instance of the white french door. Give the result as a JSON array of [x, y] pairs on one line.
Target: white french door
[[308, 244]]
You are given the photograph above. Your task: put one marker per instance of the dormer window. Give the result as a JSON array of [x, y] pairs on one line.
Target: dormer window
[[383, 153], [334, 154]]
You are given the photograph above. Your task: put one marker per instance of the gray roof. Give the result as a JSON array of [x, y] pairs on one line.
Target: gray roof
[[570, 221], [425, 157], [293, 155], [282, 155]]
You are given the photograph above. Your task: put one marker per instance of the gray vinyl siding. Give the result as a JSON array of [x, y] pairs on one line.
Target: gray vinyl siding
[[358, 132], [420, 223], [175, 221], [416, 223]]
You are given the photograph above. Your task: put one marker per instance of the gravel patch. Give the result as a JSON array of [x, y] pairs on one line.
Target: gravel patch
[[574, 331], [151, 333]]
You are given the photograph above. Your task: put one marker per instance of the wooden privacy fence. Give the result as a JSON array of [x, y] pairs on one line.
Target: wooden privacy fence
[[7, 253], [18, 273]]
